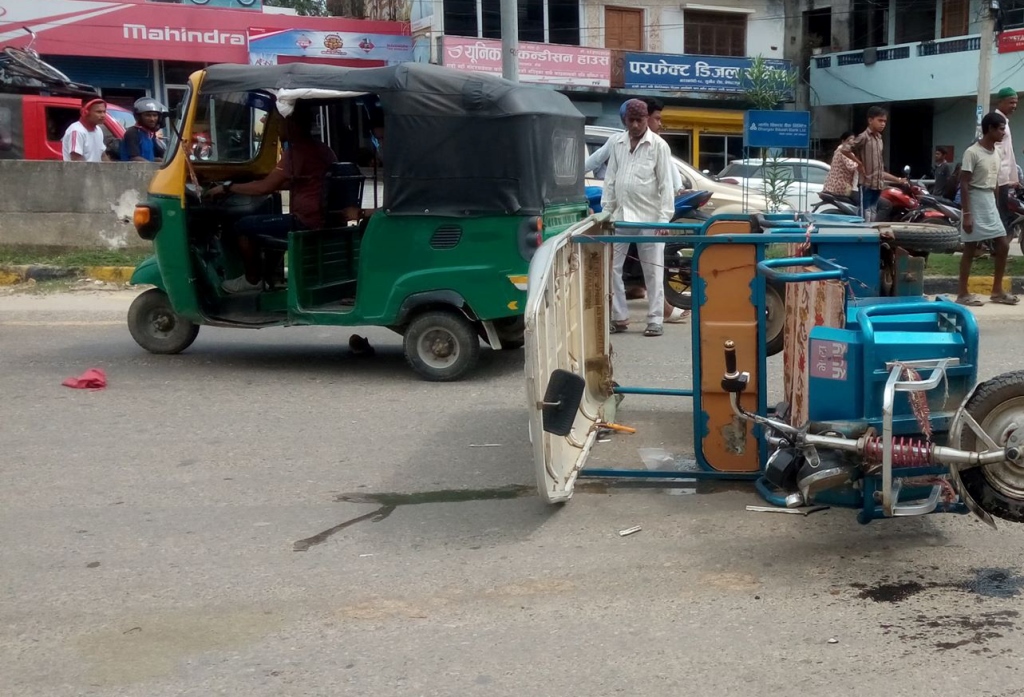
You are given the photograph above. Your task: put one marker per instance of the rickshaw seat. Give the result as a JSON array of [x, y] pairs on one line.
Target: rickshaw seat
[[343, 190]]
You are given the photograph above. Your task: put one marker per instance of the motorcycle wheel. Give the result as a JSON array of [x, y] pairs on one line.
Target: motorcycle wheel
[[678, 278], [1018, 229], [998, 408]]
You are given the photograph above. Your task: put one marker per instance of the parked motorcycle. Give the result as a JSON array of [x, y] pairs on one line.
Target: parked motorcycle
[[836, 204], [687, 204], [1015, 227], [904, 203], [687, 209]]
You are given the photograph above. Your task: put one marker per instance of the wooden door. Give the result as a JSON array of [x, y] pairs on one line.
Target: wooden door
[[955, 15], [623, 28]]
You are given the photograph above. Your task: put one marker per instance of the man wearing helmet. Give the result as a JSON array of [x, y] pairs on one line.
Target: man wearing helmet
[[142, 142]]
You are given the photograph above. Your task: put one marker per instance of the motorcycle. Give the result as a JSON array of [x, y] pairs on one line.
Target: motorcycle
[[836, 204], [677, 271], [903, 203], [687, 204], [1015, 227]]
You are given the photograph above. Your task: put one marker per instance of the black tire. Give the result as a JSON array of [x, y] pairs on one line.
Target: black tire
[[511, 332], [156, 327], [940, 238], [441, 345], [775, 322], [995, 405], [678, 278]]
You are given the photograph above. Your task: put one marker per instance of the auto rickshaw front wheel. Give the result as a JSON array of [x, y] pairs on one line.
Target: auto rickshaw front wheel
[[156, 327], [441, 345], [997, 406]]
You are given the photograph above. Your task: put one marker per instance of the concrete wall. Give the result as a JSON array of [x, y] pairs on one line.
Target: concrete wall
[[71, 204], [953, 124]]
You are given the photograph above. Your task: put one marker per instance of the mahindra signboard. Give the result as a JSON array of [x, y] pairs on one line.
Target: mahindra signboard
[[141, 29]]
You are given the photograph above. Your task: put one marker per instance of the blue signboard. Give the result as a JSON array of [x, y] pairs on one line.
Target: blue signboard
[[777, 129], [663, 71]]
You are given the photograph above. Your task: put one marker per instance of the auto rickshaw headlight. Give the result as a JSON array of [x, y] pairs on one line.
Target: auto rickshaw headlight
[[147, 221]]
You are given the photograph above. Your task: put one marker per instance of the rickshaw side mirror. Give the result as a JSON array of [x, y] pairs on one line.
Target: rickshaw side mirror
[[561, 401]]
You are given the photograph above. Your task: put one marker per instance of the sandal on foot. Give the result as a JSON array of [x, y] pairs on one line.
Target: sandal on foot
[[1004, 299], [678, 316], [654, 330], [618, 327], [969, 301]]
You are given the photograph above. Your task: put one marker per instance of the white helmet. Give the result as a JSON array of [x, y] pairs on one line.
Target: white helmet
[[148, 105]]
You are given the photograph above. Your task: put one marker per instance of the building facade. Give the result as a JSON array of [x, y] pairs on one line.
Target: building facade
[[691, 55], [920, 60], [134, 48]]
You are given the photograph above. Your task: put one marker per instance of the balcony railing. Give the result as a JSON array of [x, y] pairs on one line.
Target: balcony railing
[[925, 48], [935, 48]]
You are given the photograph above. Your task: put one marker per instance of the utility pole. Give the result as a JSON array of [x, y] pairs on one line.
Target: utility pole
[[988, 34], [510, 40]]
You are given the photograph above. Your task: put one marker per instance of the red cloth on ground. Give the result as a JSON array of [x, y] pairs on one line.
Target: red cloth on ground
[[92, 379]]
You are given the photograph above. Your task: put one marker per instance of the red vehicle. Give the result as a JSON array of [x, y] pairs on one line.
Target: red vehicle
[[38, 103], [32, 125]]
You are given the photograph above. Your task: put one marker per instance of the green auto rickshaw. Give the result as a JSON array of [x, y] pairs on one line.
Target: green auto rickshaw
[[475, 171]]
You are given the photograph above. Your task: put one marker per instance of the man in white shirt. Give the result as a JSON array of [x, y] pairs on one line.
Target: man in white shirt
[[83, 141], [1005, 106], [638, 189]]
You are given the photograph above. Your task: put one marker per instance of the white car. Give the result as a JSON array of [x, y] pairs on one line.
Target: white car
[[725, 197], [807, 178]]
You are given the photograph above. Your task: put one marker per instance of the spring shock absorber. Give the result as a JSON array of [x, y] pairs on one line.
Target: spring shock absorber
[[906, 452]]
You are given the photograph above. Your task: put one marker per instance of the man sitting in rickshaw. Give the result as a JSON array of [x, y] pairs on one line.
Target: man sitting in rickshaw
[[302, 171]]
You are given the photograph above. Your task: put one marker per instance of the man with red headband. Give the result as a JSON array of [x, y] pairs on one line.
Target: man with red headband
[[83, 141]]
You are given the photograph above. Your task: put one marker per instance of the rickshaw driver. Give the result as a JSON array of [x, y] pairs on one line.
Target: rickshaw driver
[[303, 171]]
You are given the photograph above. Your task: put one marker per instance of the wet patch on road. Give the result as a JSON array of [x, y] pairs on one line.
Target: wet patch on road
[[388, 502], [959, 631], [986, 583], [945, 632]]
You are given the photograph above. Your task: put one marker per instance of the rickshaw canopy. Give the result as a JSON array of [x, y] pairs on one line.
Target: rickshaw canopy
[[458, 143]]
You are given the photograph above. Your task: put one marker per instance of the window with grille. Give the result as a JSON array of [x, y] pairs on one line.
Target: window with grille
[[714, 33]]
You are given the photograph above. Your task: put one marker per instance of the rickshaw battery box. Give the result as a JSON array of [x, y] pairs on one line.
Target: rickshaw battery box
[[835, 371]]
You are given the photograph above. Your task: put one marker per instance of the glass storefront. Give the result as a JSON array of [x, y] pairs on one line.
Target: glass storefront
[[718, 150]]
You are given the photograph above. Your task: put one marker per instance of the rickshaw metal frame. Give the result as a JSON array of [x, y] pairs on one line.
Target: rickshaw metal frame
[[699, 243]]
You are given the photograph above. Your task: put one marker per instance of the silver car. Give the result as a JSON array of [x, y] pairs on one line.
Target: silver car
[[725, 198]]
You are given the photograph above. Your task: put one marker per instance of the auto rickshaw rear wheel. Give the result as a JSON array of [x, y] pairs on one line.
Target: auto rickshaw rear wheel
[[441, 345], [998, 408], [155, 325]]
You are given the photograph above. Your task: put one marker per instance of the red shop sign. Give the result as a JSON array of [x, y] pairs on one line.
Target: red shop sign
[[137, 29]]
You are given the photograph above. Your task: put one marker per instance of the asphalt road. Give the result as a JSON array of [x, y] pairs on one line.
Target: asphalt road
[[269, 515]]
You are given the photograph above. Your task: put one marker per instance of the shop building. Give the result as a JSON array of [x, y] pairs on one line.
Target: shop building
[[920, 62], [134, 48], [689, 55]]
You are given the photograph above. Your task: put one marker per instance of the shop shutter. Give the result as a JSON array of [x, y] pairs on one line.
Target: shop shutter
[[120, 73]]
